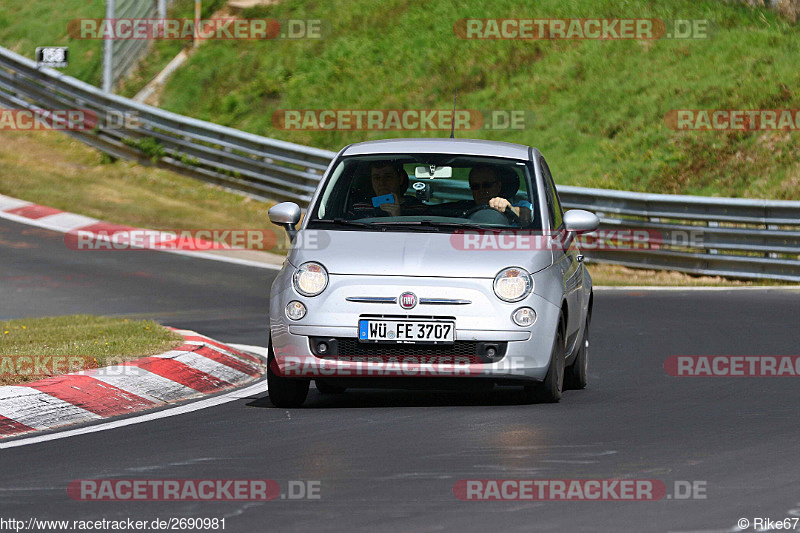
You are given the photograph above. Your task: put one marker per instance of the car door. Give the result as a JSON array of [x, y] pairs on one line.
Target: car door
[[565, 257]]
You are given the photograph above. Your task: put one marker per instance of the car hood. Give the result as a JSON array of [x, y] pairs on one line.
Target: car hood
[[395, 253]]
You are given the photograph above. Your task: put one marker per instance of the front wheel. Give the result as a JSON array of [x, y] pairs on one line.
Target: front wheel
[[577, 373], [549, 391], [284, 392]]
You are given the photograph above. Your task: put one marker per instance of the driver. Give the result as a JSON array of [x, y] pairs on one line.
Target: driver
[[387, 178], [487, 187]]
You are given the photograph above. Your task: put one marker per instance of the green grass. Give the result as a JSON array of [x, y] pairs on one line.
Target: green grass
[[26, 24], [53, 169], [599, 105], [162, 52], [90, 341]]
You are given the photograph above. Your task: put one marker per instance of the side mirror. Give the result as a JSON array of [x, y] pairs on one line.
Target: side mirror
[[286, 214], [580, 221]]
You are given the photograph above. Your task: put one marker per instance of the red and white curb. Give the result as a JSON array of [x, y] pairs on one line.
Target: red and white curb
[[45, 217], [198, 367]]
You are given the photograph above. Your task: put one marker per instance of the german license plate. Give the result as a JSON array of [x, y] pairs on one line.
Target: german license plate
[[416, 331]]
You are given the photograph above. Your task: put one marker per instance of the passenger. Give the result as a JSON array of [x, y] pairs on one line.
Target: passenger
[[388, 178]]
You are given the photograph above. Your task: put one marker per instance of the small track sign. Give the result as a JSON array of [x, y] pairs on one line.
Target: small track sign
[[52, 56]]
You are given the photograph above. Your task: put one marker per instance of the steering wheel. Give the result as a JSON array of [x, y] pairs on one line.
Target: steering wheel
[[508, 215]]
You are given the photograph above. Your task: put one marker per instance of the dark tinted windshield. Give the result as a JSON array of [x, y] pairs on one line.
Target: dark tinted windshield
[[437, 189]]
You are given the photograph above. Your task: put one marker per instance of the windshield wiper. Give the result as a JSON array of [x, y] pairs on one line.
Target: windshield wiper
[[432, 224], [400, 224], [341, 222]]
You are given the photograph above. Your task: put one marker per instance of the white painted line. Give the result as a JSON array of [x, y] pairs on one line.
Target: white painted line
[[39, 222], [258, 351], [7, 202], [209, 366], [43, 223], [39, 410], [226, 352], [142, 383], [188, 333], [224, 259], [171, 354], [256, 388], [67, 222]]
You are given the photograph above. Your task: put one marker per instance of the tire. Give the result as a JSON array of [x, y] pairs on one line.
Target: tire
[[549, 390], [576, 375], [284, 392], [326, 387]]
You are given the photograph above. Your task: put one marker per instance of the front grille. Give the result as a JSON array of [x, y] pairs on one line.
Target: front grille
[[346, 348], [353, 347]]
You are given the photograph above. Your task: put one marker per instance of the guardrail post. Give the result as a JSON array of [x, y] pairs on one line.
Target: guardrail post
[[197, 11], [108, 51], [772, 255], [162, 9], [713, 224], [16, 77]]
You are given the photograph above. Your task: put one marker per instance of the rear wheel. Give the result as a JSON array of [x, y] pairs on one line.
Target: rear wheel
[[284, 392], [577, 373], [549, 391]]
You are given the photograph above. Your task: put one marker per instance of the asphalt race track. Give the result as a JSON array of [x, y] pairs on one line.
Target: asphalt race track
[[388, 460]]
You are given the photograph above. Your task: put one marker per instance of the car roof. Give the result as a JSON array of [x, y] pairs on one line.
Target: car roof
[[441, 146]]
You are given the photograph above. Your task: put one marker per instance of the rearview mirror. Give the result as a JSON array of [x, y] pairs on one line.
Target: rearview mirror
[[580, 221], [433, 172]]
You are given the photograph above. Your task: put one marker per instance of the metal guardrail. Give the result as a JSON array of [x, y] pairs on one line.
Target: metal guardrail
[[729, 237], [263, 167], [714, 236], [120, 55]]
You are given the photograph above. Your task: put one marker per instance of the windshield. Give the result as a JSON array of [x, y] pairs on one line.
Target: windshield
[[427, 191]]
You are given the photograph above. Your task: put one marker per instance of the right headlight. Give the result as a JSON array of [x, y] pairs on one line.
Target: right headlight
[[513, 284], [310, 279]]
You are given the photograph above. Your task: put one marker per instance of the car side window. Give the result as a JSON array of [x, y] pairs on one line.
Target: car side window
[[553, 203]]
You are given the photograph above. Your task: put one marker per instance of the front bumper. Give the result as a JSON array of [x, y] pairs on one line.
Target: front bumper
[[520, 353]]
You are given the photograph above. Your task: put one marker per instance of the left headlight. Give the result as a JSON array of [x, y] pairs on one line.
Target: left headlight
[[310, 279], [513, 284]]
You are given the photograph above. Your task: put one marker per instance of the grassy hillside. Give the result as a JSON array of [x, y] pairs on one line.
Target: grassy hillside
[[599, 105], [26, 24]]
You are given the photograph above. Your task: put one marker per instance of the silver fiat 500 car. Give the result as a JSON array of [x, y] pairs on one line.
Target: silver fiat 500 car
[[431, 263]]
